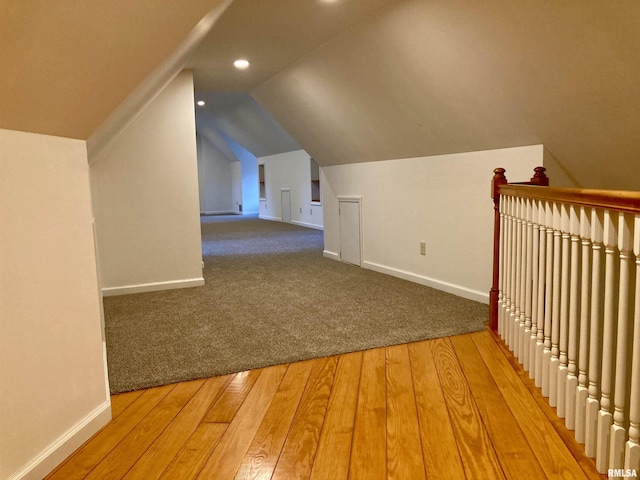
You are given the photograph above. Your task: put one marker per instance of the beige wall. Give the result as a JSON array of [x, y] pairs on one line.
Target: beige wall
[[145, 193], [442, 200], [52, 369]]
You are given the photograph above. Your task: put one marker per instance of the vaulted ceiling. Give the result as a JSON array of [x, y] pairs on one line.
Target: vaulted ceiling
[[353, 80], [65, 65]]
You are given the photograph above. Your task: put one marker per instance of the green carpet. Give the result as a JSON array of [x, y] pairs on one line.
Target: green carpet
[[270, 297]]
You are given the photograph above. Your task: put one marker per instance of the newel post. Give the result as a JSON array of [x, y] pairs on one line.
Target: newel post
[[539, 177], [498, 179]]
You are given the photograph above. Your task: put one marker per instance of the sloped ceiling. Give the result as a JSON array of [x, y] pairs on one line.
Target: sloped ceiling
[[353, 80], [424, 78], [65, 65], [238, 116], [272, 34]]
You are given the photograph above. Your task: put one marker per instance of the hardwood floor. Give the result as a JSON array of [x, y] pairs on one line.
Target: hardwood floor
[[448, 408]]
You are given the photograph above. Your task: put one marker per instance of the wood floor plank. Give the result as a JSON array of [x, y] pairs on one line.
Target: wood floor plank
[[477, 453], [95, 450], [299, 450], [190, 459], [404, 448], [369, 448], [234, 444], [577, 450], [229, 402], [131, 448], [472, 405], [552, 454], [120, 402], [512, 448], [262, 456], [440, 450], [160, 454], [334, 447]]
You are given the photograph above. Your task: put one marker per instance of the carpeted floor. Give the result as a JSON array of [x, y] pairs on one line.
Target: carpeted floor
[[270, 297]]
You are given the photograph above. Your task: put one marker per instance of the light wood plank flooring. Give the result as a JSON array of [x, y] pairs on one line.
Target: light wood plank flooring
[[450, 408]]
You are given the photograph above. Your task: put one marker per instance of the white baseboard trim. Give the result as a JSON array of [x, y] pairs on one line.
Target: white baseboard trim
[[266, 217], [221, 212], [152, 287], [331, 255], [53, 455], [308, 225], [429, 282]]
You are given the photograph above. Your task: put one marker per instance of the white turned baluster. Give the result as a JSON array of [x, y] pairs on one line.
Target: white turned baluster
[[595, 333], [574, 315], [501, 267], [632, 450], [582, 391], [564, 311], [605, 418], [513, 273], [535, 266], [618, 430], [548, 302], [517, 331], [528, 272], [554, 363], [542, 262], [506, 307]]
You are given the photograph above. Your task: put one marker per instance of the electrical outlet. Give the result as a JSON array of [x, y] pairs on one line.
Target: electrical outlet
[[300, 209], [423, 248]]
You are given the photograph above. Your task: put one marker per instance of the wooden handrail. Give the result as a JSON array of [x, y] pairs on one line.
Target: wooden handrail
[[619, 200]]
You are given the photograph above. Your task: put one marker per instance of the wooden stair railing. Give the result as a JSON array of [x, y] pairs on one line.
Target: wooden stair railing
[[540, 179], [565, 299]]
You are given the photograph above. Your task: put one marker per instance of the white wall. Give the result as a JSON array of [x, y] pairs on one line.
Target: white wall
[[249, 170], [145, 192], [290, 170], [443, 200], [236, 186], [215, 175], [52, 365]]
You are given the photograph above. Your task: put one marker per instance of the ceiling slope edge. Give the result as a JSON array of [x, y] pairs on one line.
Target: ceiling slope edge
[[152, 85]]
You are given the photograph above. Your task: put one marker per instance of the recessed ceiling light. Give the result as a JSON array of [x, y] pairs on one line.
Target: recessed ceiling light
[[241, 63], [201, 103]]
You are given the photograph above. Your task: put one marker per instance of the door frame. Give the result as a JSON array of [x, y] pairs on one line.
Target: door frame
[[282, 190], [358, 200]]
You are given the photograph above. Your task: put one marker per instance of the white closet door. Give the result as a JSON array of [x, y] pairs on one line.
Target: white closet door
[[350, 232]]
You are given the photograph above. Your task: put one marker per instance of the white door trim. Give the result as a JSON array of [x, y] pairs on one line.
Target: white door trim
[[354, 199]]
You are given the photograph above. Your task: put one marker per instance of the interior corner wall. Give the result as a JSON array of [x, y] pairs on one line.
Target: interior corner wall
[[146, 201], [215, 178], [249, 174], [442, 200], [52, 363], [291, 171]]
